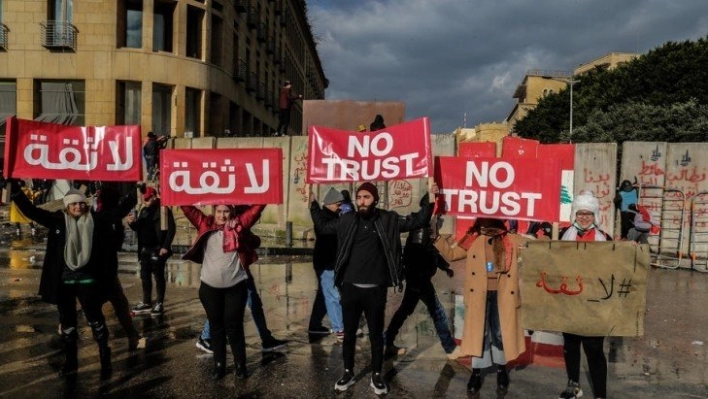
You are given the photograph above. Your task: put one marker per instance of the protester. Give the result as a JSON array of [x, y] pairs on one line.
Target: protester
[[586, 213], [154, 249], [420, 263], [225, 249], [268, 342], [287, 99], [492, 331], [367, 262], [377, 124], [150, 152], [73, 269], [626, 195], [115, 208], [323, 259], [642, 224]]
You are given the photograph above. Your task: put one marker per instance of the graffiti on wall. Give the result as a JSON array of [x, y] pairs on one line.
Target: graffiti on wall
[[400, 194]]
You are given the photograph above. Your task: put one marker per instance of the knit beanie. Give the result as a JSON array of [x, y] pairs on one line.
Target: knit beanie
[[586, 201], [72, 196], [371, 188], [332, 197]]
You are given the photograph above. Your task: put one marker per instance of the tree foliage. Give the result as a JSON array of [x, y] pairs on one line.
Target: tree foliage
[[659, 96]]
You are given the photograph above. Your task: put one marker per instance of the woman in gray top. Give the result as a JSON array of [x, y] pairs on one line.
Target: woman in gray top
[[225, 247]]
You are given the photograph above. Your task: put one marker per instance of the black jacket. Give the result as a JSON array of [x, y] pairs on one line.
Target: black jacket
[[388, 224], [148, 222], [54, 263], [325, 252]]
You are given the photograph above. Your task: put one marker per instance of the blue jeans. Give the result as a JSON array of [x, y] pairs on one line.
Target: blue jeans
[[256, 305], [331, 295]]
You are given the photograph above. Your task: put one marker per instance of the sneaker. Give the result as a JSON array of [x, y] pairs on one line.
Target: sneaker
[[378, 383], [345, 382], [572, 391], [142, 308], [319, 330], [204, 345], [273, 344], [158, 309]]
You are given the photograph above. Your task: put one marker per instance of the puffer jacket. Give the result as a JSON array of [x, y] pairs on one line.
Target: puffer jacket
[[389, 226], [237, 238]]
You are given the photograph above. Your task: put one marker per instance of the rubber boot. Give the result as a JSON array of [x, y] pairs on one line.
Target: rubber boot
[[100, 334], [70, 339]]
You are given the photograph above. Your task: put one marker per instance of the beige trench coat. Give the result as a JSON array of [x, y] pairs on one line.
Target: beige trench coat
[[508, 299]]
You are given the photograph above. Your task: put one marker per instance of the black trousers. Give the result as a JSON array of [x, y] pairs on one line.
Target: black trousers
[[121, 307], [597, 363], [371, 302], [149, 268], [225, 308], [89, 297], [319, 309], [283, 121]]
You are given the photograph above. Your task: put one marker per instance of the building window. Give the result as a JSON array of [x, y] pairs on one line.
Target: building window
[[162, 26], [217, 38], [8, 102], [195, 18], [162, 109], [61, 10], [129, 103], [193, 106], [130, 24], [61, 102]]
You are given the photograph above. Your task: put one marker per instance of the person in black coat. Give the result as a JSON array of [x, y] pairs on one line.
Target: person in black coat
[[74, 268]]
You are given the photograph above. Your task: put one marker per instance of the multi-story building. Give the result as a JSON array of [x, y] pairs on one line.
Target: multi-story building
[[539, 83], [175, 67]]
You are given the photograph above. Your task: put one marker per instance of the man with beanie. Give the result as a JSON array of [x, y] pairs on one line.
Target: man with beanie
[[367, 262], [154, 248], [324, 255], [73, 269]]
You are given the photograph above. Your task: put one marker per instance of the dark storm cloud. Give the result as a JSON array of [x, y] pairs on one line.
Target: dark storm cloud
[[445, 58]]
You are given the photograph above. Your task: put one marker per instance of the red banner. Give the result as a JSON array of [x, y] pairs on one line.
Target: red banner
[[476, 149], [394, 153], [513, 147], [506, 188], [224, 176], [43, 150]]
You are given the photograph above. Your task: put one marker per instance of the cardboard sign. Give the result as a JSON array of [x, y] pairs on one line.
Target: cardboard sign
[[43, 150], [394, 153], [514, 188], [223, 176], [585, 288]]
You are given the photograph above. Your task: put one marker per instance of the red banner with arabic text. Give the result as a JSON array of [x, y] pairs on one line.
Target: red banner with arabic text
[[43, 150], [221, 176], [394, 153], [506, 188]]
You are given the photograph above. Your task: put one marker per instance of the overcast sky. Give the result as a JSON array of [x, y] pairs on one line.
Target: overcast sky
[[445, 58]]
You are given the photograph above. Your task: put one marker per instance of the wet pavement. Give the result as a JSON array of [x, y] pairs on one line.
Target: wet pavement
[[668, 362]]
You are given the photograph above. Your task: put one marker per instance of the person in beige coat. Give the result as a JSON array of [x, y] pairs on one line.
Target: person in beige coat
[[492, 329]]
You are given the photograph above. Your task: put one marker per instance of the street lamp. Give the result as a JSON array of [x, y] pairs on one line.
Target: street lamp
[[571, 82]]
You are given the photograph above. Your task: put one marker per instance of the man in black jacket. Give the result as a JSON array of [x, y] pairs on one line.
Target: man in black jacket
[[154, 248], [367, 262]]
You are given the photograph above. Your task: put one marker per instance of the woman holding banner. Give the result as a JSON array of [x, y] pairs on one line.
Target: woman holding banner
[[225, 249], [586, 211], [492, 332]]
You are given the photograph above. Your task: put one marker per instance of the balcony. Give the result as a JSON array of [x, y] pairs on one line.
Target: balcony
[[252, 82], [240, 70], [3, 36], [58, 35]]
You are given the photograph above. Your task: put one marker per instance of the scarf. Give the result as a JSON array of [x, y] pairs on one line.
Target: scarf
[[572, 233], [79, 234]]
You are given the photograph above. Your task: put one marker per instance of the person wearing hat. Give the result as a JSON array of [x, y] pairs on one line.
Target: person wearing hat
[[377, 124], [225, 247], [73, 269], [368, 261], [585, 211], [154, 248], [287, 99], [323, 258]]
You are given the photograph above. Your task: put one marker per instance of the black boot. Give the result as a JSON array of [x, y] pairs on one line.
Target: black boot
[[71, 363], [219, 371], [100, 334], [239, 353], [502, 380], [475, 382]]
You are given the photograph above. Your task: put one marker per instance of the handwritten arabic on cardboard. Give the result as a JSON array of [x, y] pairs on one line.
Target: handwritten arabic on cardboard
[[585, 288]]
